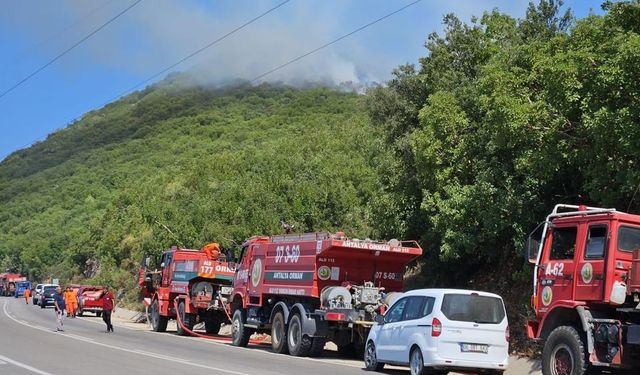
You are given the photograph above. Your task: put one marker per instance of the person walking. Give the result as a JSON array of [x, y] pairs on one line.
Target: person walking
[[72, 302], [58, 304], [65, 295], [108, 307], [27, 295]]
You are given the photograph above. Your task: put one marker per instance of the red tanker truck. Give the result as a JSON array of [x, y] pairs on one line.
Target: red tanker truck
[[195, 284], [306, 289], [586, 294]]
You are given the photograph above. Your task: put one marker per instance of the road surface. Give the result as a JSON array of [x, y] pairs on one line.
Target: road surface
[[29, 345]]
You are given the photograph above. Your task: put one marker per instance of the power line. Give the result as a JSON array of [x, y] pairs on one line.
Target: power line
[[333, 41], [199, 50], [25, 79], [56, 35]]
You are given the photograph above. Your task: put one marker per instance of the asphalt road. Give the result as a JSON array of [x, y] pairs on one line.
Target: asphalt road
[[29, 345]]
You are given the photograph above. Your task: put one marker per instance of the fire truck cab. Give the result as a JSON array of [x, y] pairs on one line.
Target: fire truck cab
[[586, 289]]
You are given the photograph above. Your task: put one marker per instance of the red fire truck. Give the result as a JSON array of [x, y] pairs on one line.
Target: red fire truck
[[305, 289], [193, 283], [8, 283], [586, 292]]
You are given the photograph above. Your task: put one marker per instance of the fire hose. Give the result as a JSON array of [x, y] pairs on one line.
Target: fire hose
[[196, 334]]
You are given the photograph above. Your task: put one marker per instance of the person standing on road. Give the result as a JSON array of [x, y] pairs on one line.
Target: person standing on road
[[27, 294], [72, 302], [58, 304], [108, 306]]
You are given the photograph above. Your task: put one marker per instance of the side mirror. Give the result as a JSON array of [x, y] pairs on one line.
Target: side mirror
[[232, 266], [379, 319], [532, 247]]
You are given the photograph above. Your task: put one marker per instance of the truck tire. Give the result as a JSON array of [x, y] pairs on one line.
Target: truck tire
[[158, 322], [212, 325], [279, 334], [371, 358], [188, 320], [317, 346], [299, 344], [239, 333], [564, 353]]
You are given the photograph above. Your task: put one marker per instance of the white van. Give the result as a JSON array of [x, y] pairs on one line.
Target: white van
[[441, 330]]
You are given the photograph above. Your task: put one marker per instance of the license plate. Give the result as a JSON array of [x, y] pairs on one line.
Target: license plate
[[474, 348], [226, 290]]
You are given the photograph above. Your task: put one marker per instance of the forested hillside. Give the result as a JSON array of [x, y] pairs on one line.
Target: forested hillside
[[185, 165], [466, 152]]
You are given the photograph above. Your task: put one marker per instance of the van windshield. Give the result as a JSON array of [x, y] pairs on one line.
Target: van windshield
[[473, 308]]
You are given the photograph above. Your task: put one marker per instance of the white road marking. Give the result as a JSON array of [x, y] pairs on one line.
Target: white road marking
[[147, 354], [6, 360], [338, 362], [3, 363]]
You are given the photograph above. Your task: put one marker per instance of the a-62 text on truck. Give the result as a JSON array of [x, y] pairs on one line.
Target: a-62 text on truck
[[586, 294]]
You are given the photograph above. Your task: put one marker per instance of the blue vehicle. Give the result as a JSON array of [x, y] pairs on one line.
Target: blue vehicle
[[21, 286]]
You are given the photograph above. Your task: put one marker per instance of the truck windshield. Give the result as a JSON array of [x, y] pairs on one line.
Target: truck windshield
[[628, 238], [473, 308]]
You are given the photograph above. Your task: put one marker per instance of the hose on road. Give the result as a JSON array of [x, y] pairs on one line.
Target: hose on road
[[209, 337]]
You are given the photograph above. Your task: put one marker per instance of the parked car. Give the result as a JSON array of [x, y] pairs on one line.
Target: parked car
[[441, 330], [90, 299], [46, 296], [34, 296]]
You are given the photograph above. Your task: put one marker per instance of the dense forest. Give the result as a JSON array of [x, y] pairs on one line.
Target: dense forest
[[465, 151]]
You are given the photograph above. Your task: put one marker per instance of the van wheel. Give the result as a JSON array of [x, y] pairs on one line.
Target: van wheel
[[299, 344], [279, 334], [371, 358], [564, 353], [158, 322], [239, 333], [416, 362]]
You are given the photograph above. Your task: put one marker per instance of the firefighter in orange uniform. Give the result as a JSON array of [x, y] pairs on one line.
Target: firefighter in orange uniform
[[27, 294], [65, 296], [72, 304], [212, 250]]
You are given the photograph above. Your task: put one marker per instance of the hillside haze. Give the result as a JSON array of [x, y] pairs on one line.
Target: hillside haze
[[185, 164]]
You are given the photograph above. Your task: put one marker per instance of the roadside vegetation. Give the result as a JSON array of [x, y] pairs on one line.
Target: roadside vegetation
[[465, 151]]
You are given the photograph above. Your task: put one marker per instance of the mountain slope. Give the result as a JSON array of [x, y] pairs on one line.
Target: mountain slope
[[185, 164]]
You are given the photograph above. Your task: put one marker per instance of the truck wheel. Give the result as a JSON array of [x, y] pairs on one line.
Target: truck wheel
[[564, 353], [371, 358], [188, 320], [158, 322], [317, 346], [239, 333], [299, 344], [212, 325], [279, 334]]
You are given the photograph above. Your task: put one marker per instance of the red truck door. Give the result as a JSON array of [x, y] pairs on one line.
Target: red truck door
[[557, 274], [590, 264]]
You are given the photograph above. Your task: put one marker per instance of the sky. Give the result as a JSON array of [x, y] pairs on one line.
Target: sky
[[154, 34]]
